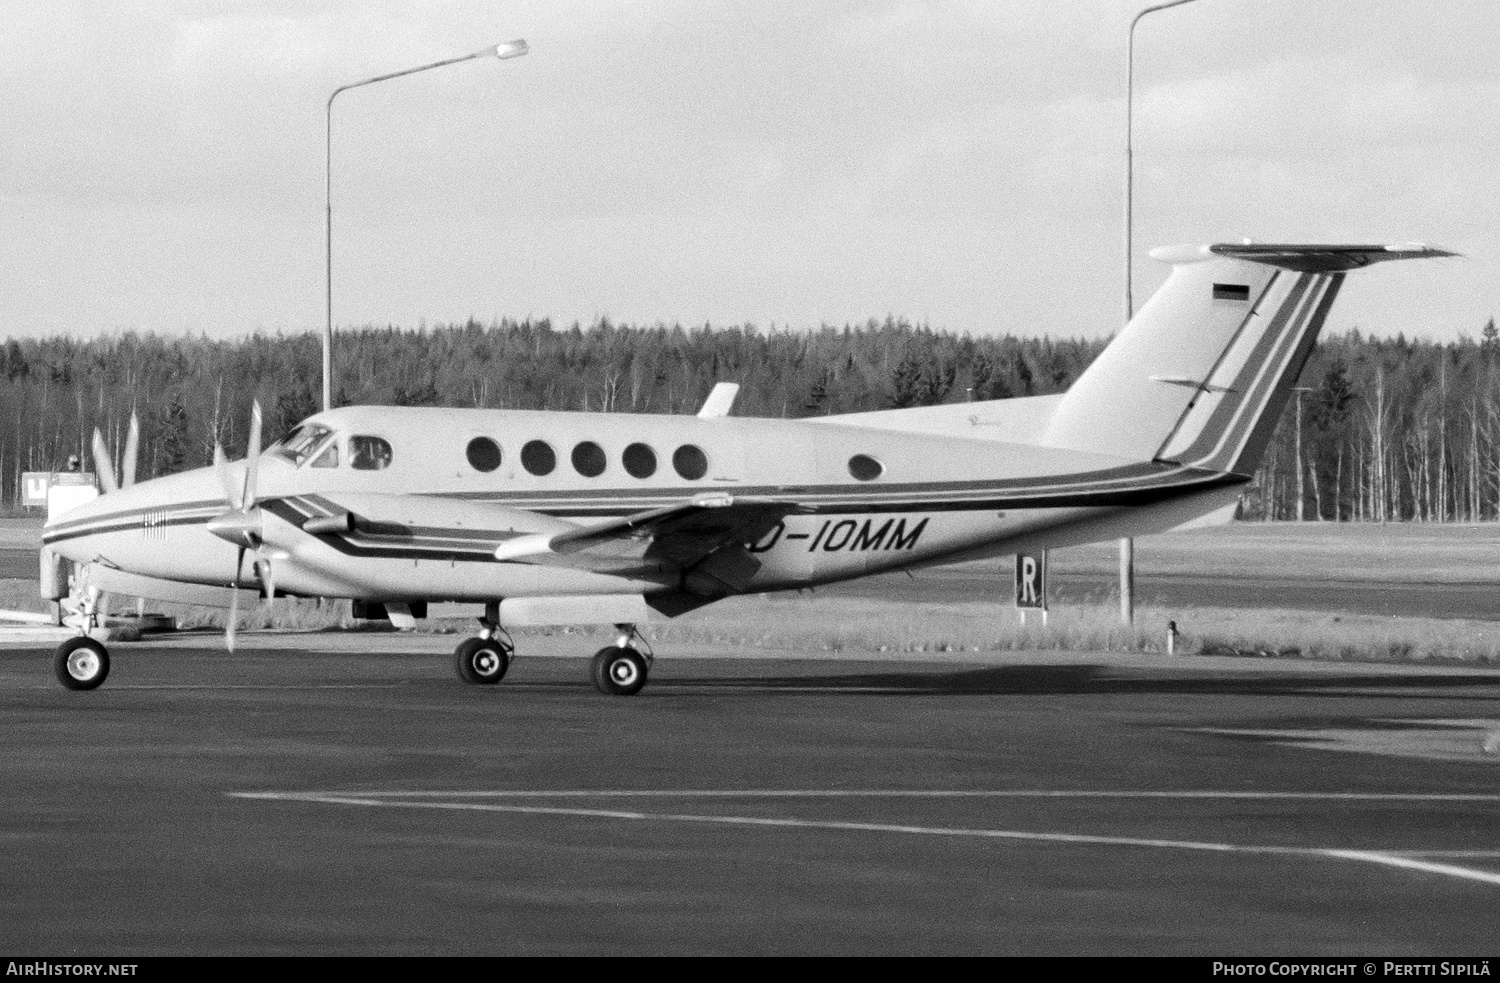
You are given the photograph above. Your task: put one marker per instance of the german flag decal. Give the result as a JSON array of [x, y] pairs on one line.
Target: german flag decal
[[1231, 291]]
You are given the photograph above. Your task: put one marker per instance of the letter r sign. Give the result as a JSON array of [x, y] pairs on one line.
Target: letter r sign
[[1031, 581]]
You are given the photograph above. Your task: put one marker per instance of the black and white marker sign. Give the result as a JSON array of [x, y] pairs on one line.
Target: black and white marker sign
[[1031, 581]]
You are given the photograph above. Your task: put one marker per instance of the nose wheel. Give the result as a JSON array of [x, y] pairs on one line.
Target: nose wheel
[[81, 663]]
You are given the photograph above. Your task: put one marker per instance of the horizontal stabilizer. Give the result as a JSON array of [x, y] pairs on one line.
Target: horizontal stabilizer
[[1302, 258]]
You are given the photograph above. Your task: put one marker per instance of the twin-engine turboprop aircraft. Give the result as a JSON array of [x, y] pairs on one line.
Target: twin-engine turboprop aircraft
[[575, 518]]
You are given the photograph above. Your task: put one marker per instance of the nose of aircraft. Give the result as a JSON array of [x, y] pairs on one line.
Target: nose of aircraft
[[98, 528]]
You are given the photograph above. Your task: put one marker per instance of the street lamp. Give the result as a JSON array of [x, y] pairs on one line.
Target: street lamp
[[1127, 545], [1299, 390], [509, 49]]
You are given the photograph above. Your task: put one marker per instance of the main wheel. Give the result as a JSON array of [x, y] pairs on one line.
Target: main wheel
[[619, 671], [81, 663], [482, 661]]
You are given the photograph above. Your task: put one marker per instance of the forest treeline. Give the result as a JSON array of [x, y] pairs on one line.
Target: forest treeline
[[1390, 429]]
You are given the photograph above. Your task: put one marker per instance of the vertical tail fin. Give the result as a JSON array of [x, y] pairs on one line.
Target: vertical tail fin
[[1199, 377]]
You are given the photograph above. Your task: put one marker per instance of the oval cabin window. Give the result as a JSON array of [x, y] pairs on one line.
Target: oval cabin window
[[690, 462], [538, 457], [865, 468], [483, 454], [639, 461], [588, 459]]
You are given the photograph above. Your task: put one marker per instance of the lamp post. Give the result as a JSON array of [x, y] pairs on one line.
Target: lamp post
[[1127, 545], [509, 49], [1300, 390]]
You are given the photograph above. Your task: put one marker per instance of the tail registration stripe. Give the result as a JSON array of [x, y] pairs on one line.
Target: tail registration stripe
[[1273, 373]]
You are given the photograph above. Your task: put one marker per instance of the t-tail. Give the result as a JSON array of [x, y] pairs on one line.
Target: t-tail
[[1200, 376]]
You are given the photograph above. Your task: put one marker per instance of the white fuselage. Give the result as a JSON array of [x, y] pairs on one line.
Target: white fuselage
[[869, 499]]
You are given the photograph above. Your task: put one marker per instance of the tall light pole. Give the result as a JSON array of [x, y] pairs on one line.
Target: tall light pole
[[509, 49], [1299, 390], [1127, 545]]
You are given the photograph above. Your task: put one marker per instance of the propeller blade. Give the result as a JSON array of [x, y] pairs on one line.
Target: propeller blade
[[132, 443], [234, 602], [103, 465], [252, 458], [221, 468]]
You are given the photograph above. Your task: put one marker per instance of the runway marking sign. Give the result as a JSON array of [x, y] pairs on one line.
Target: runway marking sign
[[1031, 583]]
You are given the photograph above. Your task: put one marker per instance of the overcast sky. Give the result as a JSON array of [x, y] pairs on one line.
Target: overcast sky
[[958, 162]]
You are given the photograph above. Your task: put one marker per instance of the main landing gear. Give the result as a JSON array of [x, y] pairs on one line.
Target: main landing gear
[[482, 661], [620, 669]]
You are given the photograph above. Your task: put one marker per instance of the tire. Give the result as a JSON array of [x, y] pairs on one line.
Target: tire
[[482, 661], [81, 663], [619, 671]]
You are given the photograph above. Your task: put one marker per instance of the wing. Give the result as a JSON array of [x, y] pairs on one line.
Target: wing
[[705, 536], [702, 541]]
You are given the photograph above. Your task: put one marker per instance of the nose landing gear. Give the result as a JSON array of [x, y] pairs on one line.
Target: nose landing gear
[[81, 663]]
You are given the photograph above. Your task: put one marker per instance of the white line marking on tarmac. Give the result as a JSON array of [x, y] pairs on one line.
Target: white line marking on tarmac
[[413, 800], [1411, 863], [761, 688], [176, 686], [896, 794]]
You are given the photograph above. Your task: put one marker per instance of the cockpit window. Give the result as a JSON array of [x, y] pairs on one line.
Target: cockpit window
[[369, 453], [301, 442], [327, 459]]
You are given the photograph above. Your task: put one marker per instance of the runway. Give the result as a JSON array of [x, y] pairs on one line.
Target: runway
[[353, 797]]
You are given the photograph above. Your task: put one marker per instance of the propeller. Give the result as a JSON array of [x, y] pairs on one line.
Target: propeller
[[104, 464], [241, 525], [104, 467], [132, 444]]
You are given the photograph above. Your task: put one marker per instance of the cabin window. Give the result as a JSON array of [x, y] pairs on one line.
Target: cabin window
[[639, 461], [538, 457], [589, 459], [690, 462], [327, 459], [369, 453], [483, 454], [298, 445], [865, 468]]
